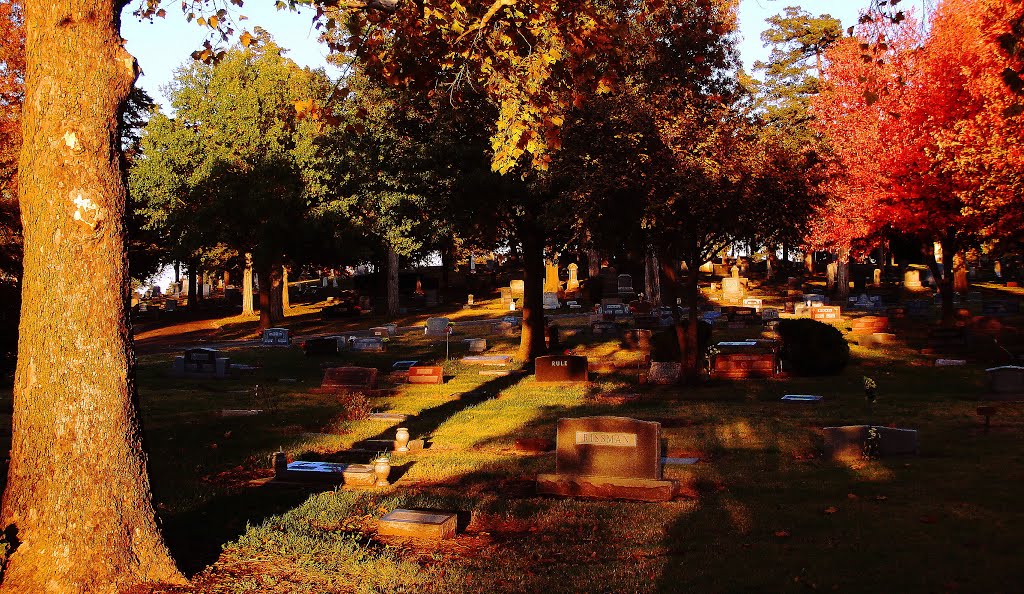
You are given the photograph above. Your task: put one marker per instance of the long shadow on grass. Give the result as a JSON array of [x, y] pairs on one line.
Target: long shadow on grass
[[427, 421]]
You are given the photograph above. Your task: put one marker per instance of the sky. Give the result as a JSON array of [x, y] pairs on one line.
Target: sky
[[162, 46]]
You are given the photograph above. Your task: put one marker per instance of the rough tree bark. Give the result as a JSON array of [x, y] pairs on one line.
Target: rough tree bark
[[286, 302], [391, 282], [247, 309], [77, 504], [843, 276], [593, 263], [531, 342], [271, 313], [652, 277]]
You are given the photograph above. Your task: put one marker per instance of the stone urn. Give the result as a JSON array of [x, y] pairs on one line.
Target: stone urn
[[381, 470], [402, 440]]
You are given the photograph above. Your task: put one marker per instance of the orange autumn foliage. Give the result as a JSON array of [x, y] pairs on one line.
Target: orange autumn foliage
[[926, 136]]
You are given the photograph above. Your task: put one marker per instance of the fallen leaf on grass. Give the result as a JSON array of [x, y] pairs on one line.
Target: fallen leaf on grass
[[831, 509], [880, 497], [782, 533], [852, 496]]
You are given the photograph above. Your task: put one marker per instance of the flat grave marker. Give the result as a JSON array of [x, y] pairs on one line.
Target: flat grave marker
[[801, 398], [426, 374], [413, 523], [487, 360]]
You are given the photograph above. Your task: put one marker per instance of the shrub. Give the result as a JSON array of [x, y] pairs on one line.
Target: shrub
[[813, 348]]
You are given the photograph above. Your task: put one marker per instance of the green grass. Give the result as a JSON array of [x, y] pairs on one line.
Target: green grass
[[762, 511]]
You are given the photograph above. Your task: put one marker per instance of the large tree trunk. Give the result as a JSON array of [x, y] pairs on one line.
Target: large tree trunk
[[593, 263], [193, 280], [247, 309], [843, 276], [271, 314], [687, 330], [77, 502], [943, 277], [391, 282], [531, 343], [286, 302], [652, 277]]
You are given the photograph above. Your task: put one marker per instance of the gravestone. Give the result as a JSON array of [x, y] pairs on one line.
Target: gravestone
[[436, 327], [731, 289], [357, 475], [826, 313], [518, 289], [561, 368], [338, 378], [551, 301], [487, 360], [368, 344], [608, 457], [201, 362], [753, 302], [614, 310], [551, 282], [769, 314], [506, 296], [476, 345], [403, 365], [505, 329], [171, 305], [664, 372], [625, 286], [849, 441], [801, 398], [912, 279], [604, 328], [814, 300], [276, 337], [870, 325], [313, 347], [574, 282], [382, 331], [745, 365], [1005, 382], [426, 375], [414, 523], [638, 338]]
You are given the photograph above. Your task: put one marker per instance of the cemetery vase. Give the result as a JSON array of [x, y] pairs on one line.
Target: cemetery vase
[[402, 440], [381, 470]]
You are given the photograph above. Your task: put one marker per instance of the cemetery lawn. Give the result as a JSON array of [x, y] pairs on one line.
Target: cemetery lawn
[[761, 510]]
